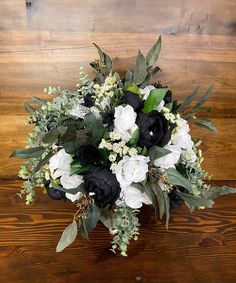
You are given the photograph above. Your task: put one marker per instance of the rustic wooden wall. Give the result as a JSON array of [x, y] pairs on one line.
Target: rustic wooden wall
[[45, 44]]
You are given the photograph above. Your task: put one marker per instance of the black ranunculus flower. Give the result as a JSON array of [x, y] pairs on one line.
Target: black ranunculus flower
[[175, 200], [88, 100], [154, 129], [133, 100], [87, 154], [108, 118], [100, 181], [54, 193]]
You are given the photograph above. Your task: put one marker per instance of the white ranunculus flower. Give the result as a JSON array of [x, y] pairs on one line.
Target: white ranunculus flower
[[132, 169], [134, 198], [124, 122], [146, 91], [182, 138], [70, 182], [169, 160], [59, 164]]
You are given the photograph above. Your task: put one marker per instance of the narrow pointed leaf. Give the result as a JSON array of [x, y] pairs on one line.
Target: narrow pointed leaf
[[175, 178], [140, 70], [214, 192], [154, 99], [33, 152], [196, 201], [207, 124], [154, 52], [188, 100]]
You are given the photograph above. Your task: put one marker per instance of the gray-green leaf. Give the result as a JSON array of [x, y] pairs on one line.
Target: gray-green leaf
[[140, 70], [214, 192], [188, 100], [175, 178], [33, 152], [206, 124], [68, 236], [153, 53], [196, 201], [156, 152]]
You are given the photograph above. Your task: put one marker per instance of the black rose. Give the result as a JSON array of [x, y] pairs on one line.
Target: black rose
[[108, 118], [87, 154], [88, 100], [154, 129], [54, 193], [133, 100], [100, 181], [175, 200]]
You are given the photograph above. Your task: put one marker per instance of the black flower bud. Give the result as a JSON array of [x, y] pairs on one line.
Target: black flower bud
[[154, 129], [133, 100], [87, 154], [54, 193], [103, 184]]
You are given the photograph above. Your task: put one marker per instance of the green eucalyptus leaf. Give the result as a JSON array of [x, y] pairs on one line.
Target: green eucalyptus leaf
[[83, 229], [33, 152], [152, 197], [188, 100], [204, 98], [105, 217], [69, 134], [154, 53], [167, 208], [214, 192], [40, 102], [51, 136], [140, 70], [29, 108], [92, 217], [95, 125], [128, 78], [77, 168], [72, 191], [70, 147], [160, 197], [206, 124], [155, 97], [43, 161], [175, 178], [68, 236], [156, 152], [196, 201]]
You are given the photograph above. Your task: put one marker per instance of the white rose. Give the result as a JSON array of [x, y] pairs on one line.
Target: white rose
[[125, 122], [132, 169], [134, 198], [182, 137], [59, 164], [169, 160], [146, 91], [70, 182]]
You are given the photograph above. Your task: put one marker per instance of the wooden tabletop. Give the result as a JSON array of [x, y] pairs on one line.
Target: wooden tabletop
[[45, 44]]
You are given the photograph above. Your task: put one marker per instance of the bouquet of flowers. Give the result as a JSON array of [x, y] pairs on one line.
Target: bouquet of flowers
[[113, 144]]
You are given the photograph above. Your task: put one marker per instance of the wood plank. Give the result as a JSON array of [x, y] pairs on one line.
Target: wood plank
[[13, 15], [28, 236], [29, 61], [219, 150], [175, 17]]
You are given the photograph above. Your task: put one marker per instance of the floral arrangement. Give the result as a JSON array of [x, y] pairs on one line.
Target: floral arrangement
[[113, 144]]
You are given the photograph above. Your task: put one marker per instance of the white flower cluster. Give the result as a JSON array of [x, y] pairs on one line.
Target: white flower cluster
[[103, 93], [59, 166]]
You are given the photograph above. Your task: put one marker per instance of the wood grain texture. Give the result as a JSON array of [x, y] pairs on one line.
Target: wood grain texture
[[198, 247], [45, 44]]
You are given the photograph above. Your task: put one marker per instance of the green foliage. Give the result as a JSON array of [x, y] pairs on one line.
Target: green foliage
[[129, 78], [154, 53], [133, 141], [125, 223], [207, 124], [154, 99], [105, 60], [140, 70], [196, 201], [77, 168], [28, 152], [90, 220], [95, 125], [188, 100], [156, 152], [215, 192], [175, 178], [68, 236]]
